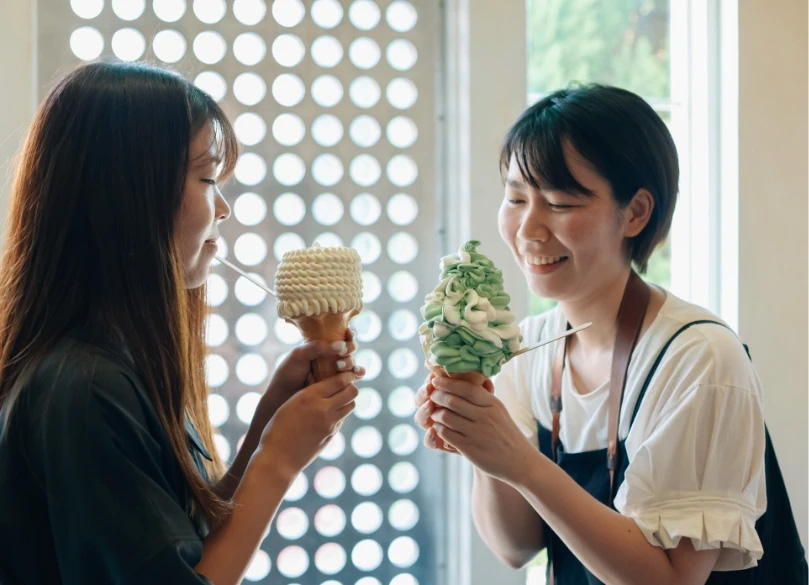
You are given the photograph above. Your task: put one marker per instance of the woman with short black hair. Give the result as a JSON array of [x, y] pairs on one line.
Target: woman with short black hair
[[635, 451]]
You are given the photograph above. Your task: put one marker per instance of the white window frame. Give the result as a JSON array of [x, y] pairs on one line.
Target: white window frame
[[704, 118]]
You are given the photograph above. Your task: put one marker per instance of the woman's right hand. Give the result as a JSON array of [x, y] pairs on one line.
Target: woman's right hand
[[424, 409], [305, 423]]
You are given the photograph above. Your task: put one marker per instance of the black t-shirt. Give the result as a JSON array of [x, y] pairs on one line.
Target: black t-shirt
[[90, 489]]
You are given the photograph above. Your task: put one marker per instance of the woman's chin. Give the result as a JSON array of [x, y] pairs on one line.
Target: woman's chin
[[197, 274]]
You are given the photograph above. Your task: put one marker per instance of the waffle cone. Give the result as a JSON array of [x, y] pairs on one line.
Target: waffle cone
[[473, 377], [324, 327]]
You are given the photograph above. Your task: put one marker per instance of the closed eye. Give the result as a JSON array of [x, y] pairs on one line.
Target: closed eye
[[211, 182]]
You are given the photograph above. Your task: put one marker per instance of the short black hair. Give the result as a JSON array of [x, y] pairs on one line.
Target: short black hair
[[620, 136]]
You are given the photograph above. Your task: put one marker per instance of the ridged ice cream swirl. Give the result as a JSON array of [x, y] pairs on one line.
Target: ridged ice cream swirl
[[319, 280], [468, 326]]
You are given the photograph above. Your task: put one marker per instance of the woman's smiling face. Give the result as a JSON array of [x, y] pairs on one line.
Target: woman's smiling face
[[567, 244]]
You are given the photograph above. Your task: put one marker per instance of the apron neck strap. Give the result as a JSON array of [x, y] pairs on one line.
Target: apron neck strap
[[630, 318]]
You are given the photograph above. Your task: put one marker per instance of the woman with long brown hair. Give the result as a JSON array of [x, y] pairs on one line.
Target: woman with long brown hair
[[107, 471]]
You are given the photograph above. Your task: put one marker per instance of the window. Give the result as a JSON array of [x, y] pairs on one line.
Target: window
[[333, 103]]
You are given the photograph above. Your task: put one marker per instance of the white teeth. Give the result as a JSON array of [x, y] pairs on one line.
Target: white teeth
[[541, 260]]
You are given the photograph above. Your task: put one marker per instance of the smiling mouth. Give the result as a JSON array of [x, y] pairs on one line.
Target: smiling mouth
[[543, 260]]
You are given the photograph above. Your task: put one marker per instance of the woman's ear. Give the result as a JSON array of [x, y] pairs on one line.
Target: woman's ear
[[638, 212]]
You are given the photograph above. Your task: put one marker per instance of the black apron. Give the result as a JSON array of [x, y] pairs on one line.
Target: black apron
[[784, 560]]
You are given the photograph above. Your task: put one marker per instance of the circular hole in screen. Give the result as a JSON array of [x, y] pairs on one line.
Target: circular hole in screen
[[327, 91], [209, 11], [370, 360], [87, 43], [364, 14], [401, 16], [368, 404], [401, 93], [250, 128], [250, 49], [212, 83], [367, 246], [330, 520], [366, 479], [327, 209], [401, 402], [364, 92], [402, 248], [327, 130], [365, 209], [327, 51], [288, 50], [326, 13], [288, 129], [288, 89], [403, 325], [364, 53], [402, 286], [249, 12], [327, 169]]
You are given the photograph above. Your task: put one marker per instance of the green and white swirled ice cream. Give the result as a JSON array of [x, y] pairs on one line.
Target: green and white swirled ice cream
[[468, 326]]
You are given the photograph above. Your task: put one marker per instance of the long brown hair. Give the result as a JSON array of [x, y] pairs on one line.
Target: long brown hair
[[89, 239]]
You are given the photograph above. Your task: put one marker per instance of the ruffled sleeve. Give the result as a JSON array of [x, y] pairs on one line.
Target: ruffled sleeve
[[700, 475]]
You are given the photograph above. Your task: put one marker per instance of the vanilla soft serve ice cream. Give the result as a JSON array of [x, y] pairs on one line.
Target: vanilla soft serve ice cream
[[320, 291], [468, 326], [319, 280]]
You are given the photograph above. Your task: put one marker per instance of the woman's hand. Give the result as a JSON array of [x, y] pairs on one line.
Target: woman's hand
[[306, 422], [426, 407], [294, 373], [470, 419]]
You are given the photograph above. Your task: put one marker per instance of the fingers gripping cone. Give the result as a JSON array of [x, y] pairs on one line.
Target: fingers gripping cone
[[477, 378], [324, 327], [320, 291]]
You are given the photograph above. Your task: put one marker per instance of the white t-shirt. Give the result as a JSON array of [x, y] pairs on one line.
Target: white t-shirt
[[696, 448]]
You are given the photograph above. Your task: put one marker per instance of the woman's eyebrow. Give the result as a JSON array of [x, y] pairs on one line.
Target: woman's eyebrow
[[206, 160], [515, 184]]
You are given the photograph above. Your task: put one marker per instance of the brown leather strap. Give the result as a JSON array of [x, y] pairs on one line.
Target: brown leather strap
[[630, 318]]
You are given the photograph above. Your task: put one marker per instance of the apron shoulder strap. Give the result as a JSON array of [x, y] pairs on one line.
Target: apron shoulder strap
[[659, 359]]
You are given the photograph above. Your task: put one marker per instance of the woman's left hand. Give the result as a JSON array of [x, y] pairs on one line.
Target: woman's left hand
[[295, 371], [473, 421]]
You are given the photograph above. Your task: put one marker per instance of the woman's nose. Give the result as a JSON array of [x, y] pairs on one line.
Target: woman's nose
[[534, 227], [221, 207]]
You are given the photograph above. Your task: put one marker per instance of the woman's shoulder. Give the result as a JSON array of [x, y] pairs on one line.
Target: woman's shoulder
[[82, 371], [692, 335]]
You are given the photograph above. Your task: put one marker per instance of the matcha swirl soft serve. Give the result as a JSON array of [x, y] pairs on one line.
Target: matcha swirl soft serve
[[468, 326]]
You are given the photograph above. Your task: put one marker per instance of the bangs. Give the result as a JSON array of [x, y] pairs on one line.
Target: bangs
[[204, 109], [536, 142]]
